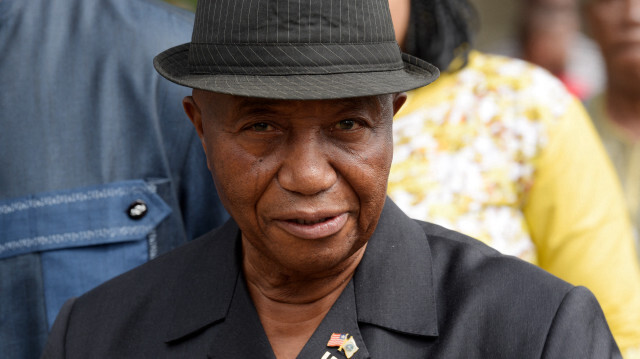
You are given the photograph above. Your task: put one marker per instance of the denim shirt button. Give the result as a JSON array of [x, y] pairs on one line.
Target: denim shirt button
[[137, 210]]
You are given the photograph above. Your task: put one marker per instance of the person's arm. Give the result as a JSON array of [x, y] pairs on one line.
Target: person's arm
[[578, 222], [579, 329]]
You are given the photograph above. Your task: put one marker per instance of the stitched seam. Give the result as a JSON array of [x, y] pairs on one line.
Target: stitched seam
[[302, 44], [152, 240], [74, 237], [553, 322], [337, 71], [71, 198]]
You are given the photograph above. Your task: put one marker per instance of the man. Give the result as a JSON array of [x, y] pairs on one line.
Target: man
[[615, 26], [293, 103], [548, 34], [100, 170]]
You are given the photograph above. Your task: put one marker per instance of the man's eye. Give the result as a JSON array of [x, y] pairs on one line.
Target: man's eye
[[346, 125], [261, 127]]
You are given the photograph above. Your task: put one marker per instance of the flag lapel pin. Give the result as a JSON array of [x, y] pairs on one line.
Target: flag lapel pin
[[349, 346], [337, 339]]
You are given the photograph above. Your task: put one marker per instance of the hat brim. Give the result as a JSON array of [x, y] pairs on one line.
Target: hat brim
[[173, 64]]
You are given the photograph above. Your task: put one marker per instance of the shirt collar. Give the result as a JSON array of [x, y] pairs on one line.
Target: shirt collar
[[393, 284]]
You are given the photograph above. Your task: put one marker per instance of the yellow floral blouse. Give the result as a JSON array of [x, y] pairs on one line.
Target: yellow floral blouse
[[500, 151]]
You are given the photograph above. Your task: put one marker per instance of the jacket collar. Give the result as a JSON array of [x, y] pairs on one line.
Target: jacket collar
[[392, 287], [205, 286], [394, 281]]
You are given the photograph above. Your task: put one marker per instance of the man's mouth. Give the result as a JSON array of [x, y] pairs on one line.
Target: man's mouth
[[304, 221], [313, 228]]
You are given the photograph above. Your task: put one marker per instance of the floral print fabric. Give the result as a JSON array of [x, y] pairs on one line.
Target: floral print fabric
[[465, 149]]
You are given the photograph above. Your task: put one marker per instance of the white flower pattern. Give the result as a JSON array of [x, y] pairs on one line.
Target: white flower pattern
[[466, 147]]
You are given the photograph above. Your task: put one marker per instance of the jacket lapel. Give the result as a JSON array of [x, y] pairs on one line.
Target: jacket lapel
[[340, 319], [212, 297], [205, 286], [392, 289], [394, 281], [241, 334]]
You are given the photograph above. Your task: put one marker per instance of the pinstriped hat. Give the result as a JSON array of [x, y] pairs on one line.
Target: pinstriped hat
[[296, 49]]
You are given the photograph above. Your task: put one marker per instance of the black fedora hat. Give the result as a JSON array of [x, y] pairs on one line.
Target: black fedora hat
[[294, 49]]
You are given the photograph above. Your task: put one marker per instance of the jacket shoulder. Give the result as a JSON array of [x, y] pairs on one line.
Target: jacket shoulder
[[458, 254], [504, 299], [138, 303]]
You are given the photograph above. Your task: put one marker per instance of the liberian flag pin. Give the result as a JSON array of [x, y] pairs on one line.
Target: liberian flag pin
[[349, 347]]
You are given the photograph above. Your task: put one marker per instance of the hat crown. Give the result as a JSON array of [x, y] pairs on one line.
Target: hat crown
[[297, 49], [292, 22], [279, 37]]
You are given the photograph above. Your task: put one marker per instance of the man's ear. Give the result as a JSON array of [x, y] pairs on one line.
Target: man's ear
[[195, 115], [398, 100]]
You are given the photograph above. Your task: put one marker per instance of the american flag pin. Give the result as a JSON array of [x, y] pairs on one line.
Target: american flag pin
[[337, 339]]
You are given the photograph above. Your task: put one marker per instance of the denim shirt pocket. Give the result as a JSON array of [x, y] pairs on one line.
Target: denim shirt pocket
[[84, 236]]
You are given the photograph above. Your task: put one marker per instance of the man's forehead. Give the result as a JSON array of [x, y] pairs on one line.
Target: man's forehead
[[257, 103], [341, 103]]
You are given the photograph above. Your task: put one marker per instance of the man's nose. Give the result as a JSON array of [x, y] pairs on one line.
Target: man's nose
[[307, 168]]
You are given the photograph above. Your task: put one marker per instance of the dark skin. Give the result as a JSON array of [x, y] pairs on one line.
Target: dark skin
[[615, 25], [548, 28], [400, 13], [306, 183]]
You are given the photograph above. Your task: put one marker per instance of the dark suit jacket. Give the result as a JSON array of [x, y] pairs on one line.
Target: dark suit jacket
[[421, 291]]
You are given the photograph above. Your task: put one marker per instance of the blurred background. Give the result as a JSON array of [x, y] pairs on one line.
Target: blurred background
[[497, 19], [187, 4], [545, 32]]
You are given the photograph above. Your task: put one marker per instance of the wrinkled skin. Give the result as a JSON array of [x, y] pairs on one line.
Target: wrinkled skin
[[305, 180]]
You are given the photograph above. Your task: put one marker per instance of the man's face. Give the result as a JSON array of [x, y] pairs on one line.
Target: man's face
[[550, 26], [615, 25], [305, 180]]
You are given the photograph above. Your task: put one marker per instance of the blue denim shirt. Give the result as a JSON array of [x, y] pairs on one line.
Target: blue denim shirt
[[100, 169]]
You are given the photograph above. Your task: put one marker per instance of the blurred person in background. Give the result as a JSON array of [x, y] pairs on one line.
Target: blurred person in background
[[499, 150], [548, 31], [548, 34], [100, 168], [615, 25]]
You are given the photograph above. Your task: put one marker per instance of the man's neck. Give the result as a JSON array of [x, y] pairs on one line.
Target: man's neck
[[623, 108], [291, 306]]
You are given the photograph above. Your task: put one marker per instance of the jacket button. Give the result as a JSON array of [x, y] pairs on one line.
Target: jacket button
[[137, 210]]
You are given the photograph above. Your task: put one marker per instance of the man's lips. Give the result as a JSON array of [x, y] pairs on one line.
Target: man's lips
[[313, 227]]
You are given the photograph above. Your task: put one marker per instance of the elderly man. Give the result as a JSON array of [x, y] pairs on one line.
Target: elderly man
[[293, 103]]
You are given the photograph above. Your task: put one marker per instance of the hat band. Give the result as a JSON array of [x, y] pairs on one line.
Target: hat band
[[290, 59]]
